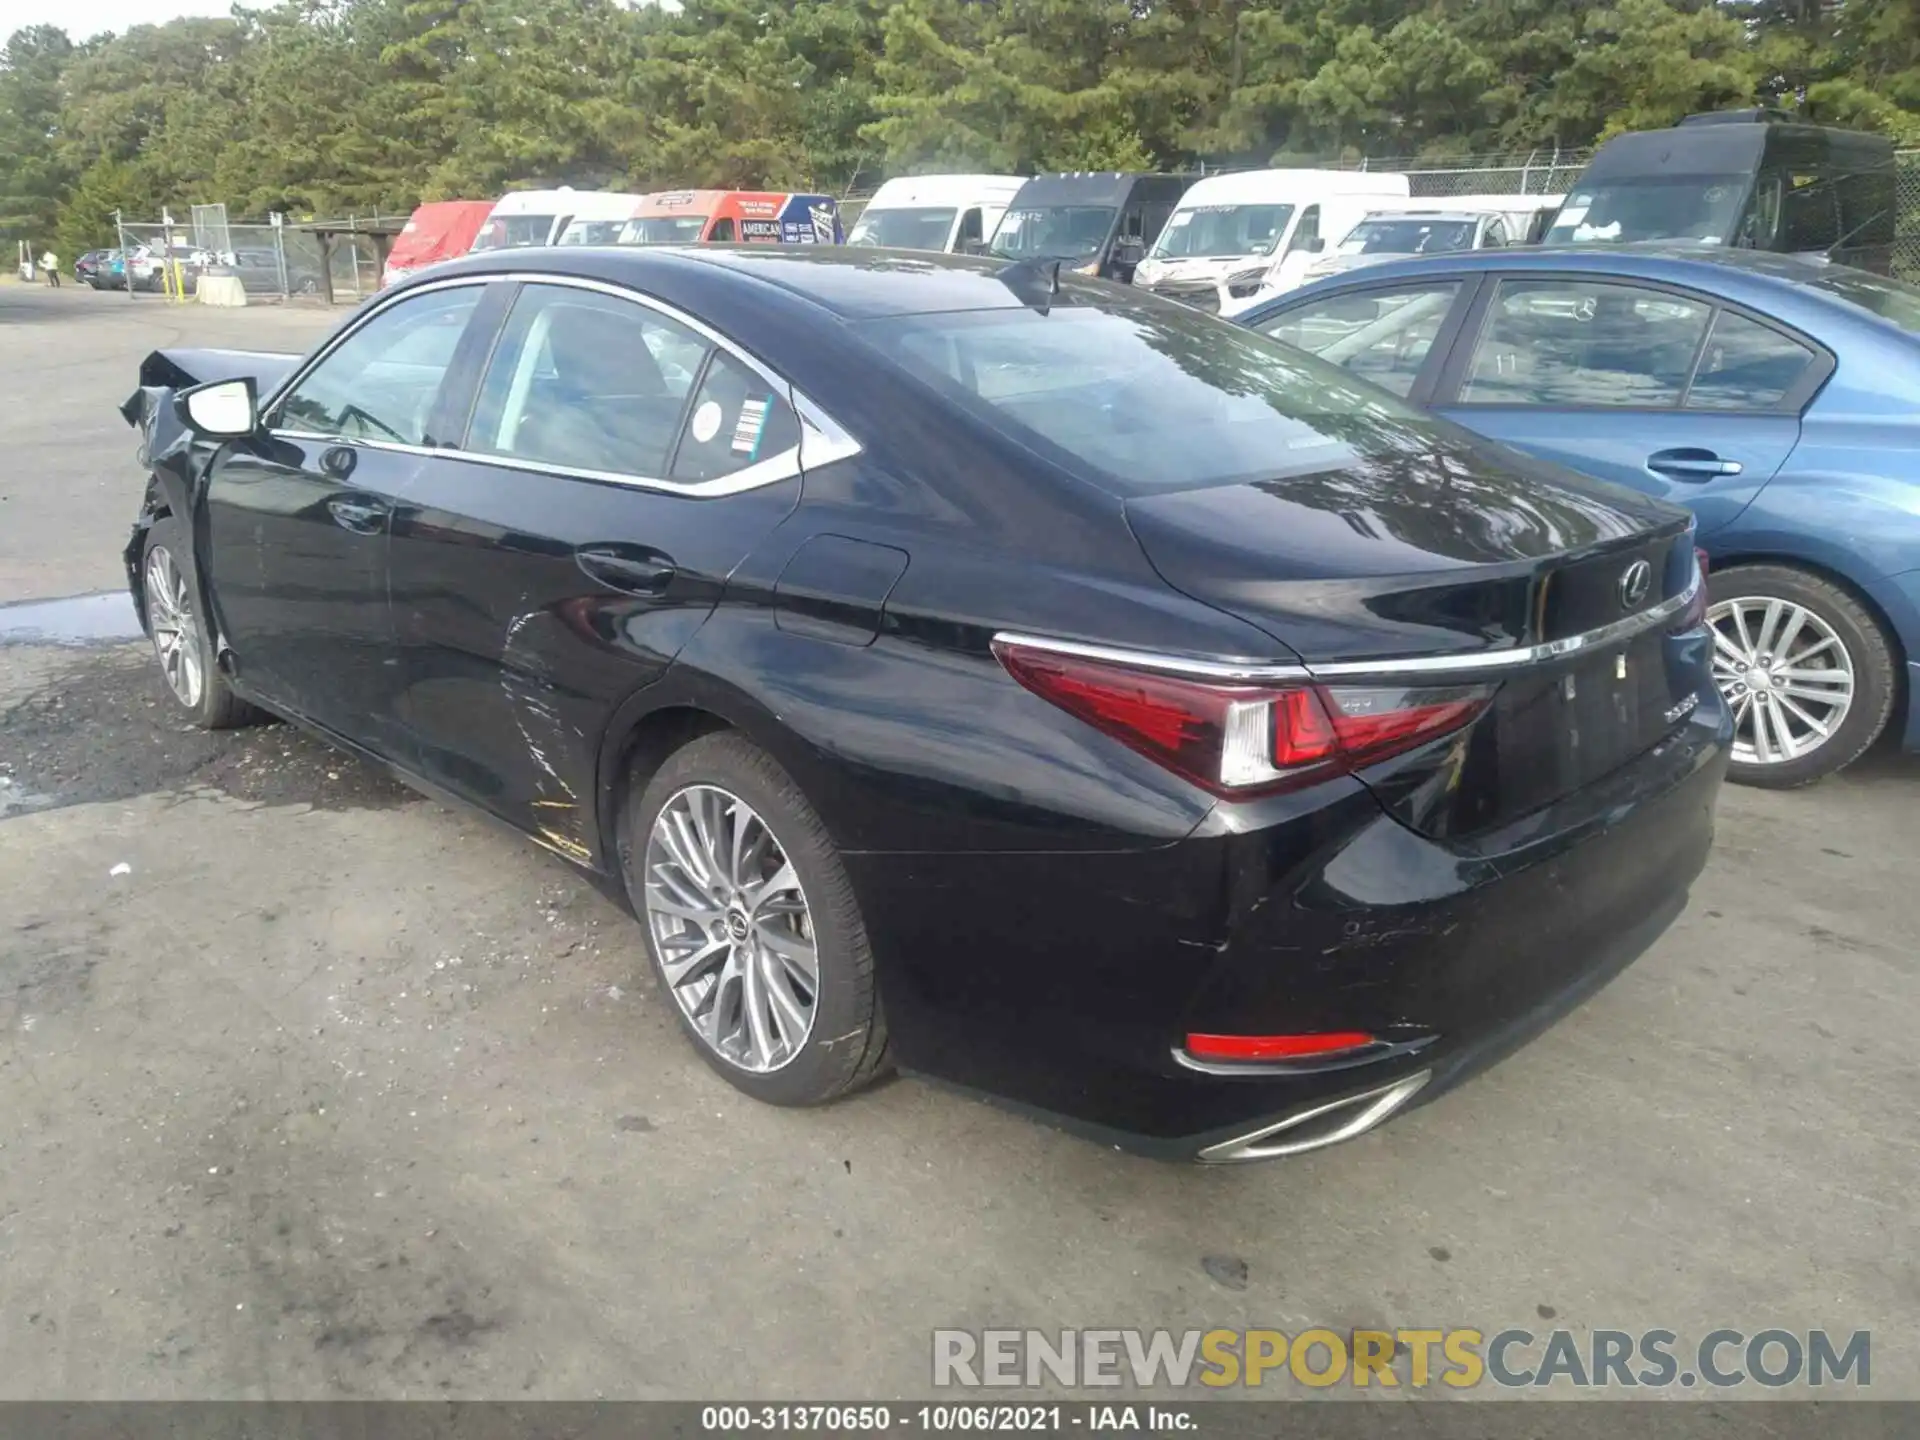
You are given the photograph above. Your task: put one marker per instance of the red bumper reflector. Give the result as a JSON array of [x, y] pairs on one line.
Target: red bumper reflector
[[1276, 1047]]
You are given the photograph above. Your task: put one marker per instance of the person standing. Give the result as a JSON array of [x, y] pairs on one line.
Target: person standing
[[50, 263]]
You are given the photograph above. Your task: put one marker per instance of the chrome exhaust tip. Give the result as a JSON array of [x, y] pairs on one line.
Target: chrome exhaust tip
[[1320, 1125]]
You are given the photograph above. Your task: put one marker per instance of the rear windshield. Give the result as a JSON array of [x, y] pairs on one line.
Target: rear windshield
[[1150, 396], [592, 232], [514, 232], [1069, 232], [1222, 230], [1407, 237], [1704, 208], [1891, 300], [663, 230], [904, 229]]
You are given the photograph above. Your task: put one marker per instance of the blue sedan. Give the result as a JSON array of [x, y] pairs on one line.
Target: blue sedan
[[1777, 398]]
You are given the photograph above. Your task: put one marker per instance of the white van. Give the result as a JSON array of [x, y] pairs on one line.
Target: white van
[[935, 212], [1236, 240], [539, 217], [598, 217]]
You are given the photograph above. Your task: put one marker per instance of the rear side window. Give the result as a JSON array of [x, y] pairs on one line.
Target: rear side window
[[1746, 366], [737, 420], [1147, 395], [585, 381], [1577, 343], [1380, 335]]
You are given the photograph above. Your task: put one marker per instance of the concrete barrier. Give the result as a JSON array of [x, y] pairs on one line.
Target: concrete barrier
[[221, 290]]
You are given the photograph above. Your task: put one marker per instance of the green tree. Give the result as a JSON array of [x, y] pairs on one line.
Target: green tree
[[32, 175], [104, 187]]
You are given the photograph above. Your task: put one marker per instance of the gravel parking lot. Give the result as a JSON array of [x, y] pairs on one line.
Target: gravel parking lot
[[312, 1088]]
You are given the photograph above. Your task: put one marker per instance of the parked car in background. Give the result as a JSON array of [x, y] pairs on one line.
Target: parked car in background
[[1778, 399], [935, 212], [439, 230], [1390, 234], [1096, 222], [1750, 179], [1236, 239], [88, 266], [1127, 716], [1528, 217], [140, 267], [730, 217]]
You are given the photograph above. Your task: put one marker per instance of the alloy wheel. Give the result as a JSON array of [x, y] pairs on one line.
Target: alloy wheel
[[731, 927], [1786, 675], [176, 633]]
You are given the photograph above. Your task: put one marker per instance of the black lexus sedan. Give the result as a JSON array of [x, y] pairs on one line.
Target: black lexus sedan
[[964, 666]]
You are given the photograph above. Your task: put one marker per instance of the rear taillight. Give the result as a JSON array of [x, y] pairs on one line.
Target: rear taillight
[[1239, 740], [1323, 1045], [1695, 613]]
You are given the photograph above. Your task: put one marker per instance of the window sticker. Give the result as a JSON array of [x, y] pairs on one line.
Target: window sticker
[[706, 422], [752, 425]]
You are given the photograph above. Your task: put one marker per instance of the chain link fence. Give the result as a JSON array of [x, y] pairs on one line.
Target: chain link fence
[[1906, 243], [273, 262]]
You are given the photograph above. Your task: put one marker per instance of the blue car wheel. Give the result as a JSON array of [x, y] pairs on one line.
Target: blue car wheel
[[1806, 669]]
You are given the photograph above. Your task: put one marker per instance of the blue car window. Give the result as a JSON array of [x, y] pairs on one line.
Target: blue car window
[[1379, 335], [1567, 343], [1746, 366]]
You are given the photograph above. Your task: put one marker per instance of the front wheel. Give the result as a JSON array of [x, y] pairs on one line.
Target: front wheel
[[752, 924], [181, 639], [1805, 668]]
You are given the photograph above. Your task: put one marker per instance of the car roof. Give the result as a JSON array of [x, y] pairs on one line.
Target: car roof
[[1787, 286], [853, 283], [1752, 272]]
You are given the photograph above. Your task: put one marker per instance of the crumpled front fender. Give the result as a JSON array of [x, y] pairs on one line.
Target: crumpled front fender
[[176, 461]]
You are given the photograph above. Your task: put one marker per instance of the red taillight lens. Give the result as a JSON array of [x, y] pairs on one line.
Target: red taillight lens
[[1277, 1047], [1236, 740], [1371, 724]]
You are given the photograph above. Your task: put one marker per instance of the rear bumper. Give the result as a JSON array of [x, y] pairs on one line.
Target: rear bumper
[[1063, 985]]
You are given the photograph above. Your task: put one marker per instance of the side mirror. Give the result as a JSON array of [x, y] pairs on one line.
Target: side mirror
[[973, 247], [1129, 250], [223, 410], [1315, 245]]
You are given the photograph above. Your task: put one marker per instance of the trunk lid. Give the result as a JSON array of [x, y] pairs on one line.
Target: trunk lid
[[1461, 555]]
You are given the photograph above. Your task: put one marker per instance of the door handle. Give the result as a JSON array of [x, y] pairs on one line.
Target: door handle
[[362, 516], [1692, 465], [628, 568]]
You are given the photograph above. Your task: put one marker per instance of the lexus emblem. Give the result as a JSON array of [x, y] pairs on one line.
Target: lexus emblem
[[1635, 581]]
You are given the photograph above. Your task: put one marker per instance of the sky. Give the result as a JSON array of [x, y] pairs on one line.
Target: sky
[[90, 17]]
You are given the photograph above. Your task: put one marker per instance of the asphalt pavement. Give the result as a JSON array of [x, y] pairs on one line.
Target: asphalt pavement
[[310, 1088]]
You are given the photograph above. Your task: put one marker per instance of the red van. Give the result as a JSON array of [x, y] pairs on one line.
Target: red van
[[439, 230]]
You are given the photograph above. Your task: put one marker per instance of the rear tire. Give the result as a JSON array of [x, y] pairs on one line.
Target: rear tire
[[1806, 668], [752, 924], [182, 640]]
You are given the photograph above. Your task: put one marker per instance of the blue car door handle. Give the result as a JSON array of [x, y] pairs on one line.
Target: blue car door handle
[[1692, 465]]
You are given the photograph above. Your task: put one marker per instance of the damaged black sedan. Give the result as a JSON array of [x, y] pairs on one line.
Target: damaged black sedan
[[966, 667]]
